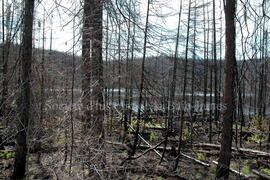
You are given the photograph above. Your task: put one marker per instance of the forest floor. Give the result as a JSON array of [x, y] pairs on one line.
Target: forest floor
[[145, 168], [197, 164]]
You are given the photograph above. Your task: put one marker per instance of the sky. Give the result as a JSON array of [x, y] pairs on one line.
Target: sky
[[62, 21], [163, 21]]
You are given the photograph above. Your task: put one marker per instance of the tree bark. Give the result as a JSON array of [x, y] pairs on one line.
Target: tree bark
[[92, 54], [24, 103], [222, 171], [86, 66]]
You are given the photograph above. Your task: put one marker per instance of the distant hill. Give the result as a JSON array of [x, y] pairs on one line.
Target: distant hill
[[158, 70]]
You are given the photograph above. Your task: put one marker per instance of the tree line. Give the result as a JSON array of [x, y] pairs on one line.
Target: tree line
[[126, 74]]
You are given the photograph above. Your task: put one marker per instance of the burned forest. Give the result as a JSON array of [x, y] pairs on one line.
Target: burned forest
[[134, 89]]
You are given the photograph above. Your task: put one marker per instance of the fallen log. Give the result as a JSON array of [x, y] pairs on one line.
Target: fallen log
[[143, 147], [195, 160], [211, 153], [156, 128], [241, 150], [148, 149], [136, 157], [261, 175], [147, 143]]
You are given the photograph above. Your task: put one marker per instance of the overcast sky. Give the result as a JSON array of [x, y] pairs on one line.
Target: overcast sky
[[163, 24], [62, 19]]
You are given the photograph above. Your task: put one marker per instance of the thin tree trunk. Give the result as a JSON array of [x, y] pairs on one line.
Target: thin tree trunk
[[215, 63], [106, 62], [210, 106], [128, 69], [184, 92], [193, 116], [172, 85], [24, 103], [142, 82], [72, 99], [119, 65], [131, 72], [6, 51], [220, 60], [206, 40], [42, 90], [211, 99], [112, 90], [4, 73]]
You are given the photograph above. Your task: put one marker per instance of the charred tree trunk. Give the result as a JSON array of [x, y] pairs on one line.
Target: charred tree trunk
[[98, 85], [72, 100], [141, 83], [193, 98], [215, 63], [95, 117], [172, 86], [131, 72], [127, 86], [119, 64], [8, 23], [24, 103], [3, 58], [222, 171], [206, 58], [184, 92], [86, 63]]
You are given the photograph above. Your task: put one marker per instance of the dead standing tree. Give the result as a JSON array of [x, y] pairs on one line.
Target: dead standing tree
[[24, 103], [184, 91], [86, 73], [222, 171], [169, 126], [142, 82], [93, 93]]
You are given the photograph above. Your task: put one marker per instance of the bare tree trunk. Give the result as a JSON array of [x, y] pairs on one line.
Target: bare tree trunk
[[184, 92], [42, 90], [8, 23], [215, 63], [106, 74], [119, 64], [211, 93], [24, 103], [86, 67], [94, 118], [222, 171], [210, 103], [65, 85], [193, 116], [127, 86], [220, 59], [5, 54], [172, 85], [205, 55], [142, 83], [93, 104], [72, 99], [131, 71]]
